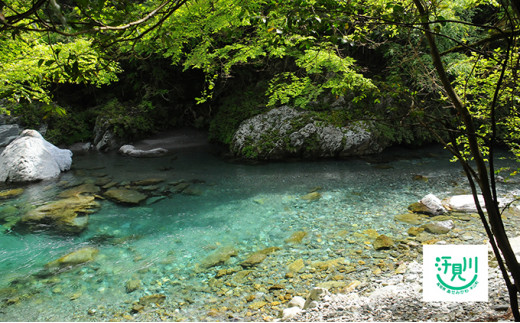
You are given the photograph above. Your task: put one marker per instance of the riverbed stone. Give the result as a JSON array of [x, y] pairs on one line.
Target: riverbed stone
[[77, 257], [132, 285], [313, 196], [290, 313], [152, 299], [383, 242], [254, 259], [219, 256], [439, 227], [68, 215], [414, 231], [125, 196], [82, 189], [296, 266], [12, 193], [433, 204], [148, 182], [31, 158], [410, 218], [296, 237]]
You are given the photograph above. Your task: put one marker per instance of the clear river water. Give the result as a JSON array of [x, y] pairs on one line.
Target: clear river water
[[156, 260]]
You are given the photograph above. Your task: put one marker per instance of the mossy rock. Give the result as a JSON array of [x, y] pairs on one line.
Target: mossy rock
[[10, 194], [383, 242]]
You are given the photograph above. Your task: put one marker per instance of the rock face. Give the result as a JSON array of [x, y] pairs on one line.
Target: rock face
[[285, 133], [31, 158], [130, 150], [8, 133]]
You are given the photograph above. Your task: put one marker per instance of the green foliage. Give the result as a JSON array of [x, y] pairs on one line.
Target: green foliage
[[127, 120], [238, 106], [29, 65]]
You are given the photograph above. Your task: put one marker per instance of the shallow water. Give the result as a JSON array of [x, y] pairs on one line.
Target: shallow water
[[248, 207]]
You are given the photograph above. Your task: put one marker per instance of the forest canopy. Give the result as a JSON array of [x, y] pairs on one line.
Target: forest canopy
[[304, 53]]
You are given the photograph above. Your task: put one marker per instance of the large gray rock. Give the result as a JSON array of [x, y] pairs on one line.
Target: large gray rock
[[285, 132], [31, 158], [8, 133]]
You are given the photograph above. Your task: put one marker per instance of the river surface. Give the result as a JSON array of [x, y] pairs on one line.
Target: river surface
[[165, 244]]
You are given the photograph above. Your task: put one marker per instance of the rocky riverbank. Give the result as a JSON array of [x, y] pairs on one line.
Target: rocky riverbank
[[399, 298]]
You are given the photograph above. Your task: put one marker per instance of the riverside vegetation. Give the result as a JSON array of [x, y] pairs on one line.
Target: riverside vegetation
[[269, 80]]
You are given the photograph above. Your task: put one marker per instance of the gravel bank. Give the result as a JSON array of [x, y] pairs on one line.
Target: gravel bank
[[400, 299]]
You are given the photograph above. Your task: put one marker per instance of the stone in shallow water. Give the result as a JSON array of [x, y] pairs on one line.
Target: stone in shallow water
[[125, 196], [414, 231], [383, 242], [314, 196], [440, 227], [9, 194], [296, 266], [296, 237], [152, 299], [88, 188], [148, 182], [219, 257], [68, 215], [410, 218], [77, 257], [132, 285], [254, 259]]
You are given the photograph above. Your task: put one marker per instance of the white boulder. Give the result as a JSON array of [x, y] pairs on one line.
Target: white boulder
[[132, 151], [464, 203], [433, 204], [31, 158]]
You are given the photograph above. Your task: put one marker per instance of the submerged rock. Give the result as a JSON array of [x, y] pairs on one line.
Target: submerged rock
[[9, 194], [125, 196], [68, 215], [219, 256], [254, 259], [132, 285], [148, 182], [152, 299], [77, 257], [313, 196], [296, 266], [31, 158], [410, 218], [296, 237], [383, 242], [88, 188]]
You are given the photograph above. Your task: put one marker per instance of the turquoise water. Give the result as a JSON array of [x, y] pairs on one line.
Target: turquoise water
[[248, 207]]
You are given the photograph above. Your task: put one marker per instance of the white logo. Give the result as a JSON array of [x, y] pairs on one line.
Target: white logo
[[456, 273]]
